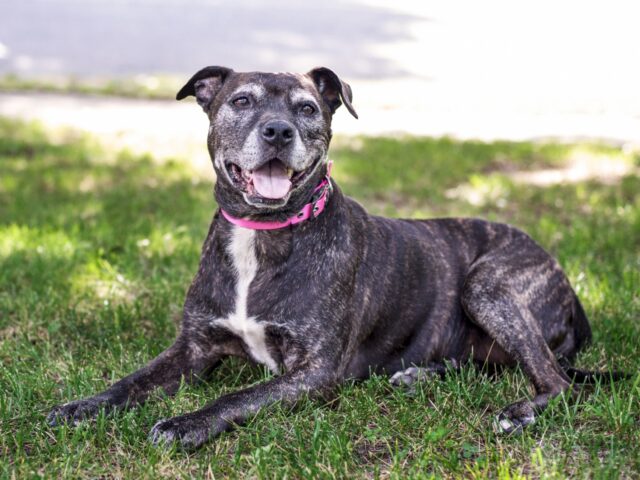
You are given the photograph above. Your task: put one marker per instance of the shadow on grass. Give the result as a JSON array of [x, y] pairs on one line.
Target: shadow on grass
[[423, 169], [83, 234]]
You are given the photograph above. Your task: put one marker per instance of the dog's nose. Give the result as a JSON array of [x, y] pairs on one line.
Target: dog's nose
[[277, 133]]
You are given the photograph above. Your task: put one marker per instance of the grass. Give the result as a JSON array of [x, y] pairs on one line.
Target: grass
[[96, 253], [138, 86]]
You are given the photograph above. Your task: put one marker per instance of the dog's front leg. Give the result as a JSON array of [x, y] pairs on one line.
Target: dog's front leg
[[183, 360], [193, 429]]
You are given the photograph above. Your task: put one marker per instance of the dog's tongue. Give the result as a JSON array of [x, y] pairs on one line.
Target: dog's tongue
[[271, 180]]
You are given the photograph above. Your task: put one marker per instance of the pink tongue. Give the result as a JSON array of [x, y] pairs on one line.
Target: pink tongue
[[271, 180]]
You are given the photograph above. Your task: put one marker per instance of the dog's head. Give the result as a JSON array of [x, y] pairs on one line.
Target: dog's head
[[269, 133]]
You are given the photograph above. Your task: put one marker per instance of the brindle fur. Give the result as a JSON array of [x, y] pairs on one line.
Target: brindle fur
[[347, 293]]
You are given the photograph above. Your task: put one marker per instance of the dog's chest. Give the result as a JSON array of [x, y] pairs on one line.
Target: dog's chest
[[241, 249]]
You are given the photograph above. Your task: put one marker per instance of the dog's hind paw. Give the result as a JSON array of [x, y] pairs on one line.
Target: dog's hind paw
[[514, 418], [411, 375], [407, 377]]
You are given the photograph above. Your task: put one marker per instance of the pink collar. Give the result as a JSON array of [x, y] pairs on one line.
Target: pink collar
[[311, 209]]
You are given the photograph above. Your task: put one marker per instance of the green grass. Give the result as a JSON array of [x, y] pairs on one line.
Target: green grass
[[96, 253], [140, 86]]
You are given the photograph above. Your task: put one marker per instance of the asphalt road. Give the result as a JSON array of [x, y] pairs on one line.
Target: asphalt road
[[116, 37]]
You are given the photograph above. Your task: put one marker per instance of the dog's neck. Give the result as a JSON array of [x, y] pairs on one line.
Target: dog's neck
[[273, 247]]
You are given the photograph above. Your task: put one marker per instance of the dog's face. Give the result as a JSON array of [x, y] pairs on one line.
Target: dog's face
[[269, 133]]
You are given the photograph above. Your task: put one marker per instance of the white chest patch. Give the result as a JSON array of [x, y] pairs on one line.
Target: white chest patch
[[243, 254]]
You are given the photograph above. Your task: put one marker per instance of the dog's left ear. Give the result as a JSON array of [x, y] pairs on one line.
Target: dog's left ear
[[332, 89], [204, 85]]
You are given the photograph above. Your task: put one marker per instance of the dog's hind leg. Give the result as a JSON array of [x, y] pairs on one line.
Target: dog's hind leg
[[494, 305]]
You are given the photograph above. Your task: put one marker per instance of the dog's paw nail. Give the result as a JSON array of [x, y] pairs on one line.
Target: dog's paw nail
[[161, 434], [73, 413], [506, 424], [168, 432], [52, 419], [514, 418], [185, 432], [62, 414], [502, 425], [405, 378], [398, 379]]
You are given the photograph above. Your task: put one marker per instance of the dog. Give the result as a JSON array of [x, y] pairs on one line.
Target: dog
[[296, 276]]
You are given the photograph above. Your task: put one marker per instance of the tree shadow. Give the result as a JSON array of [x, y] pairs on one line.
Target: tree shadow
[[86, 240]]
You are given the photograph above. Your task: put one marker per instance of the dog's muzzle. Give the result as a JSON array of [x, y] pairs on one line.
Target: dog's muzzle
[[273, 180]]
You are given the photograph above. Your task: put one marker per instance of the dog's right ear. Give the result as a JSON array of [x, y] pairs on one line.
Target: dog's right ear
[[204, 85]]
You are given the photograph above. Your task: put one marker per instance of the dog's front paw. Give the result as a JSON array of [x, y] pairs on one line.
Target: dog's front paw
[[515, 417], [187, 431], [74, 412]]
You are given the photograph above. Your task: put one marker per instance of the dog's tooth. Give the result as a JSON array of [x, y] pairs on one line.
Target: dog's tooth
[[290, 172]]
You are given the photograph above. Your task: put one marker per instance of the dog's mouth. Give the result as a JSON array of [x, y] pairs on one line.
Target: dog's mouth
[[271, 181]]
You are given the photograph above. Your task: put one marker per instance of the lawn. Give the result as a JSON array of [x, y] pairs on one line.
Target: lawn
[[97, 250], [139, 86]]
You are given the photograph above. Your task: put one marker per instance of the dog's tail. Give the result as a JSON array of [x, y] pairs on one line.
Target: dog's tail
[[582, 330], [590, 377], [582, 335]]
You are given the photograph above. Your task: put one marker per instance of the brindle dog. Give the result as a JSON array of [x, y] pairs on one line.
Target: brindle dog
[[345, 293]]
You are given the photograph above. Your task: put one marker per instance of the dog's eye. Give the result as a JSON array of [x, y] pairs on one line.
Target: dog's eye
[[241, 102], [308, 109]]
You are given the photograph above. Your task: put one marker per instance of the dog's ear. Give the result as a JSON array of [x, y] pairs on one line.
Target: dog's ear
[[332, 89], [204, 85]]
